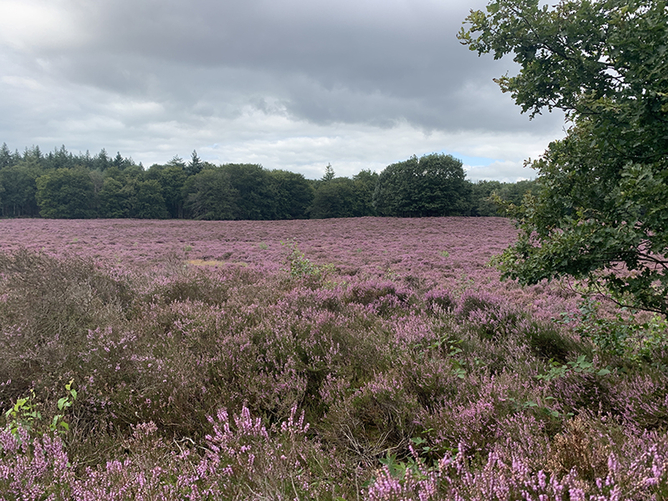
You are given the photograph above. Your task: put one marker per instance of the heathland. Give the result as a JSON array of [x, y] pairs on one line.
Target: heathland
[[367, 358]]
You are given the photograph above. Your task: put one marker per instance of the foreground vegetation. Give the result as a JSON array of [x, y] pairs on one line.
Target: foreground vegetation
[[318, 381]]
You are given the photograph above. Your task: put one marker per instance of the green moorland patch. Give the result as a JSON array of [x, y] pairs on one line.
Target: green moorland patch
[[203, 382]]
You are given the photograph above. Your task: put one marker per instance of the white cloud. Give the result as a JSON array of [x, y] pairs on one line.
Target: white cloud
[[34, 24], [506, 171]]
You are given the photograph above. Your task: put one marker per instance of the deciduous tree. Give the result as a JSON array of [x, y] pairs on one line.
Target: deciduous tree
[[601, 208], [65, 193], [433, 185], [210, 195]]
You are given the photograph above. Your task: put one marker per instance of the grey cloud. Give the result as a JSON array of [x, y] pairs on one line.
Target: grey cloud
[[369, 62], [161, 72]]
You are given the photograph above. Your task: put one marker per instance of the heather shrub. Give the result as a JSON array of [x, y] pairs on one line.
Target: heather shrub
[[475, 301], [471, 416], [210, 285], [490, 316], [403, 480], [478, 355], [335, 387], [574, 392], [547, 342], [244, 459], [194, 285], [373, 419], [48, 306], [583, 446], [642, 400], [382, 297], [33, 468], [437, 300]]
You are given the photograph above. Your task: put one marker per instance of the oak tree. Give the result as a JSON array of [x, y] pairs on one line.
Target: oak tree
[[600, 208]]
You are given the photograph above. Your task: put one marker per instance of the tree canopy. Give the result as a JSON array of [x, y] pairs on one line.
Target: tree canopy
[[66, 193], [433, 185], [117, 187], [600, 211]]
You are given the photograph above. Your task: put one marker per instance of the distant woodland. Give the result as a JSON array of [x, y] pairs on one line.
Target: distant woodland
[[60, 184]]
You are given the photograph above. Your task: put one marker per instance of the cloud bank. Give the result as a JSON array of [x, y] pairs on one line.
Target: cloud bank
[[293, 84]]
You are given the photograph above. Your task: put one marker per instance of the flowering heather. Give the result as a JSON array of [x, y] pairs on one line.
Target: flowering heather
[[451, 253], [369, 358]]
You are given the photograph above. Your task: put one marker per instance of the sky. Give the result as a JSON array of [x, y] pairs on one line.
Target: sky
[[288, 84]]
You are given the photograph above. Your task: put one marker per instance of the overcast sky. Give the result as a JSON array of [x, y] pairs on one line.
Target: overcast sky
[[289, 84]]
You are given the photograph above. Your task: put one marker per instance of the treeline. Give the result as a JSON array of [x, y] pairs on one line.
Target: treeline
[[60, 184]]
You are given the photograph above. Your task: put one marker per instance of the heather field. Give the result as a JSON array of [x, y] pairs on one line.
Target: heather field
[[369, 358]]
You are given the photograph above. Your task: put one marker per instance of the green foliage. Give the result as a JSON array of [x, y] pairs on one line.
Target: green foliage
[[114, 199], [25, 414], [64, 403], [621, 335], [579, 366], [210, 195], [195, 165], [334, 198], [201, 190], [171, 178], [329, 173], [481, 203], [491, 198], [433, 185], [601, 205], [301, 267], [254, 189], [147, 201], [398, 469], [18, 189], [364, 185], [65, 193], [294, 194]]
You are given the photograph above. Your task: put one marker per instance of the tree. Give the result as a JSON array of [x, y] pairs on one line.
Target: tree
[[600, 208], [481, 203], [334, 198], [294, 194], [210, 195], [365, 184], [147, 201], [19, 188], [177, 161], [256, 195], [59, 159], [119, 162], [433, 185], [329, 173], [171, 177], [113, 199], [195, 165], [6, 157], [101, 161], [65, 193]]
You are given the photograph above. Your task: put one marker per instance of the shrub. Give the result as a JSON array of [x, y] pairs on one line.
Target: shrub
[[49, 305], [439, 298], [492, 317], [372, 420], [547, 342]]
